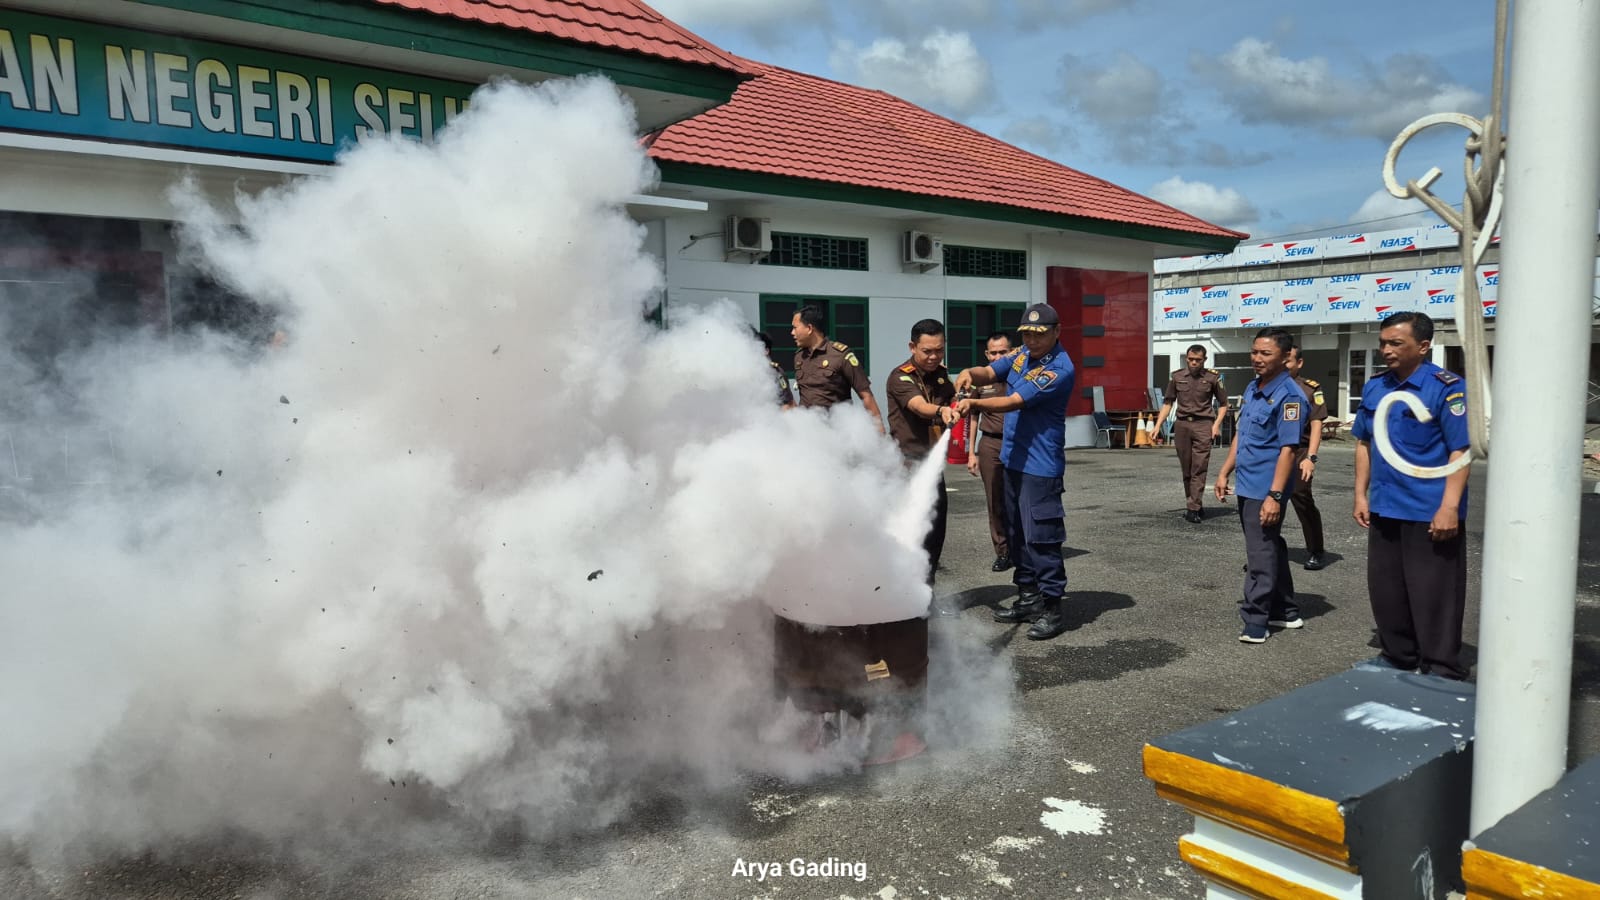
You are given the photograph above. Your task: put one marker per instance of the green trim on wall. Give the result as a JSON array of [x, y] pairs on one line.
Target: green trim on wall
[[787, 186], [447, 36]]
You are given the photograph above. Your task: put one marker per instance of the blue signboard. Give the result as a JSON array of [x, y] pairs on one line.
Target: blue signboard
[[65, 77]]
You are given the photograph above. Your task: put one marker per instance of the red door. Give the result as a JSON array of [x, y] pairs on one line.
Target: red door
[[1105, 326]]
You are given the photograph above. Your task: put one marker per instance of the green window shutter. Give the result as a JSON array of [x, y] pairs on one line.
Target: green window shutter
[[817, 251], [844, 320], [968, 326], [985, 262]]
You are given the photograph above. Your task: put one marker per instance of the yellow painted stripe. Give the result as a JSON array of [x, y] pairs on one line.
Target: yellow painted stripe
[[1294, 818], [1242, 877], [1490, 876]]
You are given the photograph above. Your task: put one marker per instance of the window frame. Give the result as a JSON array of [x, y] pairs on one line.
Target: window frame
[[866, 251], [1021, 259], [778, 329], [978, 341]]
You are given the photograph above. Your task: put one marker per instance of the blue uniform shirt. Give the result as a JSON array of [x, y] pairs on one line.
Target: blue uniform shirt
[[1036, 435], [1390, 493], [1271, 416]]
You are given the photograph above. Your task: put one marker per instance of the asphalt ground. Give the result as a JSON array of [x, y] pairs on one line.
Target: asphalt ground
[[1033, 784]]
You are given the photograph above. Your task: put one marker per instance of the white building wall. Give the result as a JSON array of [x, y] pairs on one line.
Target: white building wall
[[699, 272]]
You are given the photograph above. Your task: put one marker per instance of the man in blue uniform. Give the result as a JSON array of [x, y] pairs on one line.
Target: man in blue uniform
[[1416, 545], [1032, 451], [1272, 416]]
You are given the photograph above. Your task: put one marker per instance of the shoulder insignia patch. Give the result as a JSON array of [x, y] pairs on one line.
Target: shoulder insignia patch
[[1316, 397], [1447, 377], [1043, 379], [1291, 411], [1458, 406], [1456, 396], [905, 377], [842, 348], [1017, 359], [908, 368], [851, 359]]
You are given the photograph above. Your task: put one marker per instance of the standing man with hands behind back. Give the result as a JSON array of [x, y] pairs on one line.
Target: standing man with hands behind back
[[1040, 378], [1272, 415], [988, 433], [826, 372], [1416, 543], [1193, 389]]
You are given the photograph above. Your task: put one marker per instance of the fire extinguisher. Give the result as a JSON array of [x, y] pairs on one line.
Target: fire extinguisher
[[956, 455]]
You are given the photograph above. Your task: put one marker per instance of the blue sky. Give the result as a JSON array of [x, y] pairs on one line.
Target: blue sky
[[1268, 117]]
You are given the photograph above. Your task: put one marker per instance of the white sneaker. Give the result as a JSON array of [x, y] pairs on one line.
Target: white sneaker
[[1293, 623]]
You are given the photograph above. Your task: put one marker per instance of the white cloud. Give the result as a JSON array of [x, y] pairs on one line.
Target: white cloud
[[1220, 206], [1385, 210], [1126, 90], [1036, 12], [944, 71], [1263, 86], [769, 22], [1139, 114], [907, 19], [1040, 134]]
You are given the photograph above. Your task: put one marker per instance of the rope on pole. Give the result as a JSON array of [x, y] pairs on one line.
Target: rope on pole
[[1475, 225]]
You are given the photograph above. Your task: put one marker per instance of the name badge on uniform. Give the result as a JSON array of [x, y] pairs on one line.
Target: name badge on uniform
[[1291, 412]]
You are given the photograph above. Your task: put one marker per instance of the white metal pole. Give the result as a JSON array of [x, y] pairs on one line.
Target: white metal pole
[[1530, 552]]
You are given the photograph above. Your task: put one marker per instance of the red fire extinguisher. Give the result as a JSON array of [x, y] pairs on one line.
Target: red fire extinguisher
[[956, 455]]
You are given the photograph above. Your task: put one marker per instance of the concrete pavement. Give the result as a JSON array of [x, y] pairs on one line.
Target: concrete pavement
[[1033, 785]]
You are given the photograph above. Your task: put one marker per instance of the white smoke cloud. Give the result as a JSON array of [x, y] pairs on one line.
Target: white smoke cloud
[[477, 537]]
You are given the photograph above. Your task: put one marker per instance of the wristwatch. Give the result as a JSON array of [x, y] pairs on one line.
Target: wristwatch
[[1312, 457], [1276, 495]]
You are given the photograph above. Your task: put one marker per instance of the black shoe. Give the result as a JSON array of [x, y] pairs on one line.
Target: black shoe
[[1027, 607], [1051, 623], [1314, 562], [1001, 563], [1194, 516]]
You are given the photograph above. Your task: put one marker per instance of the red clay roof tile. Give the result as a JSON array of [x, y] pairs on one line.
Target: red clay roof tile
[[622, 24], [788, 123]]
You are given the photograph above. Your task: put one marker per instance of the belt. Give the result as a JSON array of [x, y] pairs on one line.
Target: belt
[[1197, 418], [993, 434]]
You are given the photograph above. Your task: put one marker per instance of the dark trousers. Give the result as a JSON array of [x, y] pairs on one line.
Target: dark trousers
[[1305, 506], [1193, 440], [1268, 586], [934, 542], [994, 489], [1418, 589], [1038, 529]]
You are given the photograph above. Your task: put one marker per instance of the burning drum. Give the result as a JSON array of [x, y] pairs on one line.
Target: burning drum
[[869, 677]]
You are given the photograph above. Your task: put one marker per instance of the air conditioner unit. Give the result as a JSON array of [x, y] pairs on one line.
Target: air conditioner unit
[[746, 235], [922, 249]]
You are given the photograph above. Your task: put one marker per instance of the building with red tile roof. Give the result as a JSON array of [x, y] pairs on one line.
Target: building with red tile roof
[[624, 25], [788, 132]]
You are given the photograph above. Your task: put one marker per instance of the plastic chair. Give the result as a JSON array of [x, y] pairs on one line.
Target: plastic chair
[[1102, 423]]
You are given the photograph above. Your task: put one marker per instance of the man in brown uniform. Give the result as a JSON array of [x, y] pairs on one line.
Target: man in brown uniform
[[1305, 458], [920, 393], [826, 372], [1193, 389], [780, 378], [987, 431]]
